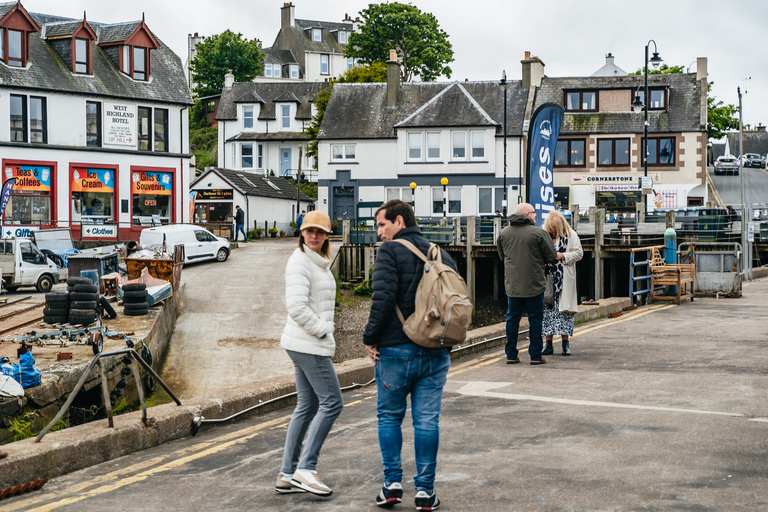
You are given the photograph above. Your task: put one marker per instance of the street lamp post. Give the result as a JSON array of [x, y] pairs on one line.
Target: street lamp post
[[503, 83], [413, 196], [444, 181], [655, 61]]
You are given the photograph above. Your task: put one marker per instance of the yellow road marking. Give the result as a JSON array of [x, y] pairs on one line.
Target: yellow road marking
[[714, 189], [350, 404]]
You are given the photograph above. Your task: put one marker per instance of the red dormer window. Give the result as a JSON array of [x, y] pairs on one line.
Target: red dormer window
[[82, 52], [15, 27], [135, 62]]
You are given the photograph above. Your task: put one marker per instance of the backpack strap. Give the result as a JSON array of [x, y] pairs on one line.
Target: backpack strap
[[415, 250]]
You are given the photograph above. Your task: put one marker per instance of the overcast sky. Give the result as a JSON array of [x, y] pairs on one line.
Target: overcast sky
[[571, 37]]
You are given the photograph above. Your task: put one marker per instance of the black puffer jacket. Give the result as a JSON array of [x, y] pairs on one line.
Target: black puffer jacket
[[396, 275]]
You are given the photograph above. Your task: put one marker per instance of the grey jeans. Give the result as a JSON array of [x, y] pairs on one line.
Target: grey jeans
[[319, 403]]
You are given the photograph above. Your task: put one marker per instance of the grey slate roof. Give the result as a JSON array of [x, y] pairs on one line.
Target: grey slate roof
[[118, 32], [267, 93], [681, 115], [48, 72], [253, 184], [279, 57], [329, 44], [59, 29], [359, 111], [754, 142]]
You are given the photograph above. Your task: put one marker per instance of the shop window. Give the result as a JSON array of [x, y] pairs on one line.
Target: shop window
[[93, 195], [613, 152], [30, 202], [93, 124], [152, 194], [144, 135], [213, 212], [454, 200], [161, 130], [570, 153], [661, 151]]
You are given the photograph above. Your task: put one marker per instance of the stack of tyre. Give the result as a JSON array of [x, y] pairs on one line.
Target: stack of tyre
[[135, 299], [56, 309], [83, 300]]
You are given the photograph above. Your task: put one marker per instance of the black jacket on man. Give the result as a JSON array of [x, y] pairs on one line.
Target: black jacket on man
[[396, 275], [239, 216]]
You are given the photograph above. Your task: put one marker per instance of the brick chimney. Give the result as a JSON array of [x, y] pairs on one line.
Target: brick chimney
[[287, 16], [229, 79], [393, 79], [533, 71]]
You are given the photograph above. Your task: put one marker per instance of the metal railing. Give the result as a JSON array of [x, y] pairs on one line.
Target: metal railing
[[644, 265]]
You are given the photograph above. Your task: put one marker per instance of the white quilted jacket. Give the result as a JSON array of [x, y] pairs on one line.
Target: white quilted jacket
[[310, 297]]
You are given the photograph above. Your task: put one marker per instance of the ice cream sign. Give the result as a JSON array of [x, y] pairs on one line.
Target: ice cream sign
[[93, 180], [157, 183], [29, 177]]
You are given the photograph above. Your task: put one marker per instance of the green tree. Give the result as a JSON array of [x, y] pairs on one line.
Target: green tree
[[721, 118], [422, 46], [374, 72], [218, 54]]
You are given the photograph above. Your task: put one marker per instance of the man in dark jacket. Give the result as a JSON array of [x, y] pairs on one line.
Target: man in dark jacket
[[403, 367], [525, 251], [240, 224]]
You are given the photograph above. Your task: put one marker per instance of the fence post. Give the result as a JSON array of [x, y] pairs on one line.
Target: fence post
[[599, 217], [575, 217], [456, 230], [470, 262], [345, 232]]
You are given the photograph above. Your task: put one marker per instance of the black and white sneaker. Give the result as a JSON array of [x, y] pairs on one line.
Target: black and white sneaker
[[391, 495], [426, 501]]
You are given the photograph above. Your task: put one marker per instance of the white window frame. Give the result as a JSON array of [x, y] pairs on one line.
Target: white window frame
[[126, 59], [260, 160], [430, 147], [243, 156], [480, 134], [247, 117], [277, 71], [437, 197], [401, 193], [294, 71], [497, 196], [454, 147], [343, 36], [268, 70], [414, 141], [350, 63], [81, 55], [285, 116], [325, 64], [317, 34], [343, 152]]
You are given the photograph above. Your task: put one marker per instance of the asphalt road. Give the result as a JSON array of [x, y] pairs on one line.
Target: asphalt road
[[729, 187], [663, 408]]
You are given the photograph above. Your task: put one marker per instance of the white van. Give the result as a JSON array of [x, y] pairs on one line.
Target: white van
[[199, 244], [23, 264]]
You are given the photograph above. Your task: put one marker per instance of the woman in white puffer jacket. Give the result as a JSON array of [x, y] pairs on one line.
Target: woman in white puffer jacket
[[310, 297]]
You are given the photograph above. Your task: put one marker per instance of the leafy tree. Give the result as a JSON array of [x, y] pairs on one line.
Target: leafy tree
[[721, 118], [374, 72], [222, 52], [421, 44]]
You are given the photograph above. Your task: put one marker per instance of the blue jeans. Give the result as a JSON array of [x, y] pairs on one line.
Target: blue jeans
[[421, 372], [535, 308], [319, 402], [240, 228]]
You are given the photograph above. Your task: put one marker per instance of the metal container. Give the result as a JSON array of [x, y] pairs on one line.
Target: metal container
[[103, 264], [712, 225]]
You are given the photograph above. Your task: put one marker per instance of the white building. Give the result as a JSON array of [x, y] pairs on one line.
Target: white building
[[97, 137]]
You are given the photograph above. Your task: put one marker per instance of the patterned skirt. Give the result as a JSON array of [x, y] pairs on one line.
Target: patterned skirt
[[556, 322]]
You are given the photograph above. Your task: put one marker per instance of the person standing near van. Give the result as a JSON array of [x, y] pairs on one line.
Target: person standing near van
[[240, 224], [310, 296]]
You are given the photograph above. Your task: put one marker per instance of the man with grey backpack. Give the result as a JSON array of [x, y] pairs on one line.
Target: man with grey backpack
[[417, 365]]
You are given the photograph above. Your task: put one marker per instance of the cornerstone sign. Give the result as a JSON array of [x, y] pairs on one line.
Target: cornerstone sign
[[607, 179]]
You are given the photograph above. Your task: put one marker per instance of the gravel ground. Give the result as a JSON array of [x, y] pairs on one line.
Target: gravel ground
[[352, 316]]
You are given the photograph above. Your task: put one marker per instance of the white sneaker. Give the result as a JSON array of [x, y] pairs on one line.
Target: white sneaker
[[284, 485], [310, 482]]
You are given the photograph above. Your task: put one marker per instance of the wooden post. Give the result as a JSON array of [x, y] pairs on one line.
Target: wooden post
[[105, 393], [599, 218], [639, 214], [470, 262], [575, 217], [592, 210], [456, 231], [345, 232]]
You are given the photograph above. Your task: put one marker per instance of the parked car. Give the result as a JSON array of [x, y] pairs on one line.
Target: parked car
[[754, 160], [727, 165], [199, 243]]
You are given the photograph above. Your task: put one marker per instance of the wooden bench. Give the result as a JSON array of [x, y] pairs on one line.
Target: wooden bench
[[679, 275]]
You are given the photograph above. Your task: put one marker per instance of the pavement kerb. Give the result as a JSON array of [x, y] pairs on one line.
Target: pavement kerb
[[86, 445]]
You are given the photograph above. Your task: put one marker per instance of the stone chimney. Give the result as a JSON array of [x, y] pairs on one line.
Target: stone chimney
[[229, 79], [701, 77], [533, 71], [393, 79], [286, 16]]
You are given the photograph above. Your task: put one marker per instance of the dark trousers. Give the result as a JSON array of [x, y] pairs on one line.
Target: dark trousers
[[535, 308]]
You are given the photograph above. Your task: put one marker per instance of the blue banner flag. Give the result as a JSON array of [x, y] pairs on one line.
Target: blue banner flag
[[542, 142], [5, 196]]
